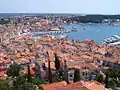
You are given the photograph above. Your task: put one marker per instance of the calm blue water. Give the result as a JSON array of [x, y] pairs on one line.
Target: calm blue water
[[96, 32]]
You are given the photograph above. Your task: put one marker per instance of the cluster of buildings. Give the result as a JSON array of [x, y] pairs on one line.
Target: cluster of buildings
[[23, 25], [82, 85], [90, 58], [85, 55]]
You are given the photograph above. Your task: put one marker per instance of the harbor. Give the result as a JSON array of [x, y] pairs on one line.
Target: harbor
[[113, 40], [96, 32], [56, 33]]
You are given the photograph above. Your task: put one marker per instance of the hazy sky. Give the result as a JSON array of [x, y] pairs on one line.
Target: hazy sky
[[60, 6]]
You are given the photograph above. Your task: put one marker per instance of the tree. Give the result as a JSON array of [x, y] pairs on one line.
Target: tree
[[37, 56], [60, 72], [112, 84], [4, 20], [112, 78], [114, 73], [19, 81], [13, 70], [24, 86], [58, 67], [77, 75], [49, 69], [36, 81], [4, 85], [57, 62], [107, 80], [65, 77], [99, 78], [29, 76], [56, 77]]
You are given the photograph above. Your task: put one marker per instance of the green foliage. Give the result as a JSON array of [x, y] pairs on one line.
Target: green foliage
[[24, 86], [57, 62], [29, 76], [111, 83], [37, 56], [114, 73], [107, 80], [19, 80], [99, 78], [13, 70], [77, 75], [56, 78], [4, 85], [4, 21], [38, 81], [60, 73], [112, 79], [20, 83]]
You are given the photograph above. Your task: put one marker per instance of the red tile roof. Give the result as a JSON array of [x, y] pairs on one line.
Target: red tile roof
[[32, 66], [2, 67], [93, 85], [73, 86], [82, 85], [53, 86]]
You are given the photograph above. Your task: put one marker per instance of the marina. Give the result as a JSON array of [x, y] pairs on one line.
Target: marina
[[97, 32], [62, 31], [113, 40]]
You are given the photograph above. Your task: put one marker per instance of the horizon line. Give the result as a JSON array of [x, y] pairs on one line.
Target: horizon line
[[54, 13]]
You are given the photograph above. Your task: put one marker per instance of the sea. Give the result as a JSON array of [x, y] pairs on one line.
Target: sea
[[96, 32]]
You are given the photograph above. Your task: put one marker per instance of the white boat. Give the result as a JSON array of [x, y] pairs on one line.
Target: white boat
[[113, 40], [116, 36], [63, 36], [97, 30]]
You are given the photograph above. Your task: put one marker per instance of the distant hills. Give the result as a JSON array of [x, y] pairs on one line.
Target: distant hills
[[83, 18], [37, 14]]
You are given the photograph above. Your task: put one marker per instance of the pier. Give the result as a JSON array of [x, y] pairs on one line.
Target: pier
[[113, 40], [63, 31]]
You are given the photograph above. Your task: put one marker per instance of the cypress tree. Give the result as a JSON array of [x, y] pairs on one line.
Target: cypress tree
[[58, 66], [29, 78], [57, 62], [77, 75], [106, 80], [66, 72], [49, 70]]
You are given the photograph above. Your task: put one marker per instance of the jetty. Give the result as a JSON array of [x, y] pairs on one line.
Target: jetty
[[113, 40]]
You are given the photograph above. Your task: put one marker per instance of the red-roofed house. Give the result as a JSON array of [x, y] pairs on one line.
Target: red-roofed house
[[53, 86]]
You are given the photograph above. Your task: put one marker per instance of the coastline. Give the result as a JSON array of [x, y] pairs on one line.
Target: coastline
[[89, 31]]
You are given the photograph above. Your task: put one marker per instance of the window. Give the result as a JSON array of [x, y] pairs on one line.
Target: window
[[83, 73], [70, 75], [46, 60]]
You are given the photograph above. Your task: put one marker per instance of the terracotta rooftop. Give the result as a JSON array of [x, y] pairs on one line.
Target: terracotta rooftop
[[32, 71], [93, 85], [82, 85], [53, 86]]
